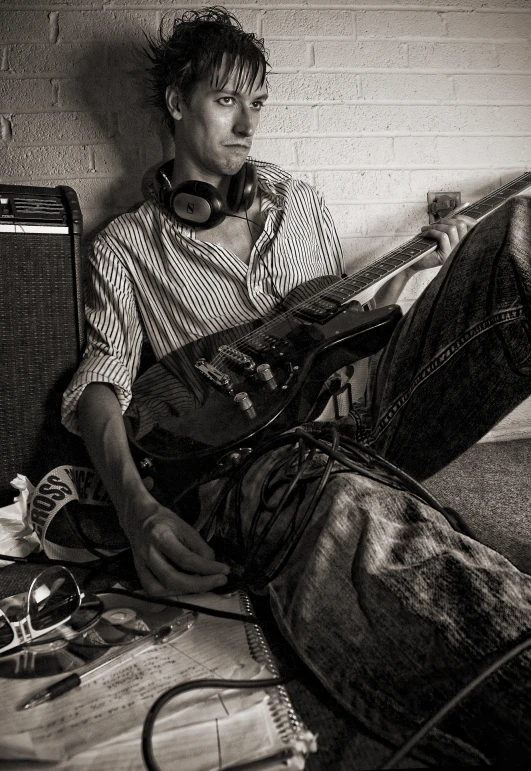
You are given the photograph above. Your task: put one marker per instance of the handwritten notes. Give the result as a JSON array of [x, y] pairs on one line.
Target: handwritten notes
[[98, 725]]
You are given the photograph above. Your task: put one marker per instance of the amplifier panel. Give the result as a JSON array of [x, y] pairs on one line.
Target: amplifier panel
[[40, 346]]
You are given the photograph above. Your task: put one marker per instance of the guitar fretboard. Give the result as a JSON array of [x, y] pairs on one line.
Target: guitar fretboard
[[358, 286], [417, 247]]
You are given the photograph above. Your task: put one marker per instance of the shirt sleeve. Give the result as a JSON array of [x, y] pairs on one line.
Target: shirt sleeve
[[114, 331], [335, 252]]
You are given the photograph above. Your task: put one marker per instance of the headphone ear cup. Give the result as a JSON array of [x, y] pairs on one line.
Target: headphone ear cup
[[195, 203], [242, 189]]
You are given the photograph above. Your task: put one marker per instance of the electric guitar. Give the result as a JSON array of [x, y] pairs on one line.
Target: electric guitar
[[208, 403]]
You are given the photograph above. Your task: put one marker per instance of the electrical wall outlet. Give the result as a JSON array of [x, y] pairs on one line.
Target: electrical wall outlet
[[442, 204]]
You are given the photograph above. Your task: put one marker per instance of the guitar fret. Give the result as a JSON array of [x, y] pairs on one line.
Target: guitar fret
[[498, 197], [417, 246], [412, 251], [478, 209], [343, 293]]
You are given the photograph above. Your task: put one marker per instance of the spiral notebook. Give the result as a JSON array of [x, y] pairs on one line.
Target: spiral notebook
[[97, 727]]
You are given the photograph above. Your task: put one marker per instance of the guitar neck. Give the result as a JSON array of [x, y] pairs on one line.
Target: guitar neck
[[361, 285]]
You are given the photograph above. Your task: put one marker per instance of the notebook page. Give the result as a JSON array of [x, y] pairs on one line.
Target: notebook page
[[114, 702]]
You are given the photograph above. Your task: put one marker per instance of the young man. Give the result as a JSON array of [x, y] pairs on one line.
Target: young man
[[387, 604], [152, 275]]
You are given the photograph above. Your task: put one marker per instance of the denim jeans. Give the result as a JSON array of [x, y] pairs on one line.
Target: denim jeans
[[392, 608], [460, 359]]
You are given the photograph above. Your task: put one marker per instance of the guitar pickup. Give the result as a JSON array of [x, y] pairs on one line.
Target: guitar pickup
[[262, 344], [236, 357], [319, 309]]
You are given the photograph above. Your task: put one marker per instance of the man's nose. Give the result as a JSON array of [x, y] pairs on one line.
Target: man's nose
[[245, 123]]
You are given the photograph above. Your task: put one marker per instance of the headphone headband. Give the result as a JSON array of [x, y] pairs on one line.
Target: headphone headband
[[199, 204]]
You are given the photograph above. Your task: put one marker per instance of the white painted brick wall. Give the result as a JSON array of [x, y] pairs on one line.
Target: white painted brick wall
[[373, 103]]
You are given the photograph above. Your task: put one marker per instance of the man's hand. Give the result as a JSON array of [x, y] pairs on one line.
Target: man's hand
[[170, 556], [447, 232]]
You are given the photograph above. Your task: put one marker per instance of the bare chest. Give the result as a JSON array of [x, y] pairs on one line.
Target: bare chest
[[236, 234]]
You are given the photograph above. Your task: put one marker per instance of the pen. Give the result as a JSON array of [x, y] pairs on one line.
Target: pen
[[90, 672]]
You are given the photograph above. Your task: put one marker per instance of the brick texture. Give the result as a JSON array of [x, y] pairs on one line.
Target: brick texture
[[374, 103]]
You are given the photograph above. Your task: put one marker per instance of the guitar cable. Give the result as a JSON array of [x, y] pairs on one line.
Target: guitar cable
[[365, 464], [147, 748], [303, 468], [488, 670], [149, 723]]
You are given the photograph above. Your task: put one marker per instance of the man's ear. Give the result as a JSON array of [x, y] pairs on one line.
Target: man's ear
[[174, 102]]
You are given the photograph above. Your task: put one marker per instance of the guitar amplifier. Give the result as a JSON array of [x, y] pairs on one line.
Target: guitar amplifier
[[41, 327]]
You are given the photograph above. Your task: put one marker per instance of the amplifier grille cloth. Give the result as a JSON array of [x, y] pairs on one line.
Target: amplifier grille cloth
[[39, 351]]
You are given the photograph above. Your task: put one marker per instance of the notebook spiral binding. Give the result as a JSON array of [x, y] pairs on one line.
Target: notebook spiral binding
[[287, 721]]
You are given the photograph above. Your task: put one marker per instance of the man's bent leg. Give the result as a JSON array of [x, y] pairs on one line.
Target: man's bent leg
[[460, 359], [394, 611]]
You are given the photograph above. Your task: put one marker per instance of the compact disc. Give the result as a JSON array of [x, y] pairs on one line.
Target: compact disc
[[102, 622], [51, 654], [119, 616], [125, 619]]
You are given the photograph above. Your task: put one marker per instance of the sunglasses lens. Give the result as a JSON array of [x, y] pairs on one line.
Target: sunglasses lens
[[6, 632], [53, 598]]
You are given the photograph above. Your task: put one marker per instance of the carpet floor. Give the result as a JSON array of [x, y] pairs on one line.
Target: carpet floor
[[490, 486]]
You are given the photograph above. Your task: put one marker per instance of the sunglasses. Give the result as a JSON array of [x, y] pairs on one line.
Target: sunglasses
[[52, 599]]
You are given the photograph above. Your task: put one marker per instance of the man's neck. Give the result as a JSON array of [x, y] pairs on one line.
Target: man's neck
[[184, 172]]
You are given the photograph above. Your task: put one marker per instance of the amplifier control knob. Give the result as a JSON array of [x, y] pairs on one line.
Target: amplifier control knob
[[244, 403], [265, 374]]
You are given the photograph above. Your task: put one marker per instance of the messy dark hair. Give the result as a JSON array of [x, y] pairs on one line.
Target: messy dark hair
[[194, 50]]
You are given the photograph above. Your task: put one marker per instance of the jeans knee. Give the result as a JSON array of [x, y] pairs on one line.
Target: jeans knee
[[515, 338]]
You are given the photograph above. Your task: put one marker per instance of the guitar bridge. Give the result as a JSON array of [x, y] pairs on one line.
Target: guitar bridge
[[215, 376]]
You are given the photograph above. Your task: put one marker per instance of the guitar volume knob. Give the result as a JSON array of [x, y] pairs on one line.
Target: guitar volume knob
[[265, 374], [244, 403]]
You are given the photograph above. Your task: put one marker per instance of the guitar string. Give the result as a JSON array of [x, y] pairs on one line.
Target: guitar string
[[281, 318], [246, 340], [416, 240]]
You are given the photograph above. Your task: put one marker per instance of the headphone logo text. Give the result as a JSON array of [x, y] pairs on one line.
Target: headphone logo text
[[190, 208]]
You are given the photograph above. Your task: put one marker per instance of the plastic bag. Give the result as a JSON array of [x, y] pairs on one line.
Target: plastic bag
[[17, 536]]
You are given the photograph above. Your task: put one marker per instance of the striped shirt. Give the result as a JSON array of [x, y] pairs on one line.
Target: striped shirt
[[149, 277]]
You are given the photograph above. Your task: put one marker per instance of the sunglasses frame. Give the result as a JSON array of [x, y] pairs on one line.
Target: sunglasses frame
[[23, 630]]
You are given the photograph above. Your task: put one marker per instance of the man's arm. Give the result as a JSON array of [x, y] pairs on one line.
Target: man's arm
[[170, 556]]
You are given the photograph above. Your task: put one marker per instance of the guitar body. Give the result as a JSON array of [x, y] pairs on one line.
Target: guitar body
[[180, 419]]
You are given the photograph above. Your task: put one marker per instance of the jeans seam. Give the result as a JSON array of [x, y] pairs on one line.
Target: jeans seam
[[502, 317]]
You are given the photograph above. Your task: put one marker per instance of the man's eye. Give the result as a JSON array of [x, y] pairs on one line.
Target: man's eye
[[226, 100], [258, 105]]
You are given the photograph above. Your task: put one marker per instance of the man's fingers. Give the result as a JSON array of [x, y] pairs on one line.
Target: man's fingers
[[442, 239], [451, 231], [166, 579], [462, 227], [193, 563], [192, 539], [184, 547], [172, 558], [148, 579]]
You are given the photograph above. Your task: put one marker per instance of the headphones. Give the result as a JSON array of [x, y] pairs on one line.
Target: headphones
[[200, 204]]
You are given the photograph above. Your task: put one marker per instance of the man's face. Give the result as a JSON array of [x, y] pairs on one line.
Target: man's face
[[214, 133]]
